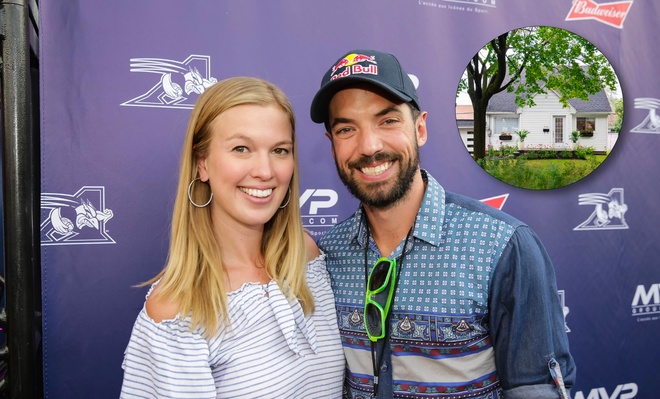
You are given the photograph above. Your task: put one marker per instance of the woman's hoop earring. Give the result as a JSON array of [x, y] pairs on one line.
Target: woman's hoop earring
[[190, 195], [288, 199]]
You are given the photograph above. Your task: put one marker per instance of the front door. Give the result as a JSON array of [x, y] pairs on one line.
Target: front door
[[559, 129]]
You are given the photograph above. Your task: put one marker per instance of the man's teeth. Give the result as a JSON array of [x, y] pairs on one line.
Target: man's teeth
[[257, 193], [376, 169]]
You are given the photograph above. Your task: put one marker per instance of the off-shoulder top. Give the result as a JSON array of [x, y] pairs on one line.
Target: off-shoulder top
[[271, 349]]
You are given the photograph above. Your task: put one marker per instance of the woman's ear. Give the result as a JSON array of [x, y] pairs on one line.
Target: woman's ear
[[202, 172]]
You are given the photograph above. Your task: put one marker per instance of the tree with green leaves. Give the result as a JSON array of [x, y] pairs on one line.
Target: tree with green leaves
[[618, 111], [529, 61]]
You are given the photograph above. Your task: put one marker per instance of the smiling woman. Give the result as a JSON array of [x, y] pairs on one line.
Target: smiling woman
[[244, 303], [249, 165]]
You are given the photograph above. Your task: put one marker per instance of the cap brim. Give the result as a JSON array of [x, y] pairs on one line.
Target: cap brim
[[321, 101]]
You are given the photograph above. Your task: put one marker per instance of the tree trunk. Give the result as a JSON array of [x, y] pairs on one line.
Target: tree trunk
[[479, 150]]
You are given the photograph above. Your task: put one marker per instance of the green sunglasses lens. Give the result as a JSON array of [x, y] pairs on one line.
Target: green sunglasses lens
[[373, 322], [379, 274]]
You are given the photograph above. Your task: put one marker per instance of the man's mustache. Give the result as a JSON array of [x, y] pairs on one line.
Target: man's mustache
[[369, 160]]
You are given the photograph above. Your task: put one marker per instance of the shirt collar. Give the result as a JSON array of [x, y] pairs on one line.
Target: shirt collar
[[431, 215]]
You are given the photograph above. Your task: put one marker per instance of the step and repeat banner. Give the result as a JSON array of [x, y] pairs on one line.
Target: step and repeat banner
[[118, 82]]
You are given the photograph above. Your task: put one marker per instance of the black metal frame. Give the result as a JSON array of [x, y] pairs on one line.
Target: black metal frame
[[20, 178]]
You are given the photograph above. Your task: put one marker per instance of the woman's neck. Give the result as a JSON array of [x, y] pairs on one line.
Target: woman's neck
[[240, 251]]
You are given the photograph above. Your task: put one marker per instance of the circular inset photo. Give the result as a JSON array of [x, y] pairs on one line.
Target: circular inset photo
[[539, 107]]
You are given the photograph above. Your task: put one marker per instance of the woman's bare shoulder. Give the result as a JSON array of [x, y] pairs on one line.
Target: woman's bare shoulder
[[160, 308], [312, 249]]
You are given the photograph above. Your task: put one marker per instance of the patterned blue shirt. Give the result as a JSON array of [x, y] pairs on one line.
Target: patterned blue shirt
[[476, 312]]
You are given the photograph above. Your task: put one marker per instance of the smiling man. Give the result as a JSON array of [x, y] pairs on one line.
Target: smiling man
[[437, 294]]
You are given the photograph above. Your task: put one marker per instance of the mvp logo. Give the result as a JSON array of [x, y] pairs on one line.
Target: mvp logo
[[645, 297], [646, 302], [330, 199], [319, 200], [624, 391]]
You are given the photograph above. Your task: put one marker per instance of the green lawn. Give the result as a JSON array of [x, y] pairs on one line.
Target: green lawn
[[570, 163], [541, 174]]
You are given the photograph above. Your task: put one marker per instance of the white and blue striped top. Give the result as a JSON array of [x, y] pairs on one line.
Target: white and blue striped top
[[271, 350]]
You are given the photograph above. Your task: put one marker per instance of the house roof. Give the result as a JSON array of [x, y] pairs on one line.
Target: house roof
[[506, 102], [464, 112], [464, 116], [597, 103], [464, 123], [502, 102]]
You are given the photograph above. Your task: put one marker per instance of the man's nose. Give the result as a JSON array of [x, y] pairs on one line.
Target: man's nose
[[369, 142]]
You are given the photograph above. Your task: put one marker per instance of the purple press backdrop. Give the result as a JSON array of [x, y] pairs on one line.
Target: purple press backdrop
[[113, 122]]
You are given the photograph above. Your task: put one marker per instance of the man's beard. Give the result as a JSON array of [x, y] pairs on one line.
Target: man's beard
[[372, 194]]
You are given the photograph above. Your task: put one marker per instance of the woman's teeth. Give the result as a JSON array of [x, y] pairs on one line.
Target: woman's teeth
[[257, 193]]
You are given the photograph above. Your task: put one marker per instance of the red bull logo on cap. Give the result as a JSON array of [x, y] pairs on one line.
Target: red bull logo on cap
[[353, 59]]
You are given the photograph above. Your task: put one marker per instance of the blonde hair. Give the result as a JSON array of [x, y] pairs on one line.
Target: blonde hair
[[194, 276]]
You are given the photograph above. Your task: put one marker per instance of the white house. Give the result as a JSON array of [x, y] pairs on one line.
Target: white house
[[548, 122], [465, 124]]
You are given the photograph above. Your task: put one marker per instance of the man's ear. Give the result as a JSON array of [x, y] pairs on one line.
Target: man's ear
[[420, 129], [202, 171]]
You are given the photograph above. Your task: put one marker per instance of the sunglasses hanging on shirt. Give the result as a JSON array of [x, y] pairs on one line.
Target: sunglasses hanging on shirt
[[379, 297]]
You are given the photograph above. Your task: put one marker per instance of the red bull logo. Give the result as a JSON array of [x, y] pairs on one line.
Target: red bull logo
[[612, 14], [356, 70], [353, 59]]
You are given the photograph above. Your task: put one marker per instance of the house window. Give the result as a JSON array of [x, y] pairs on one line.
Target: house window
[[505, 125], [586, 124]]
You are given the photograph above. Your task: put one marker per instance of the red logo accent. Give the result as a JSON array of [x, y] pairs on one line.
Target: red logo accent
[[352, 59], [340, 64], [497, 201], [612, 14]]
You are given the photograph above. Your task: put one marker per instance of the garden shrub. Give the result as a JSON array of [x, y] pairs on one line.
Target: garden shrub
[[559, 173]]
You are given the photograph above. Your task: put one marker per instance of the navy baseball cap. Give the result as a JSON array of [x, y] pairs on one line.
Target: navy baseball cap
[[376, 68]]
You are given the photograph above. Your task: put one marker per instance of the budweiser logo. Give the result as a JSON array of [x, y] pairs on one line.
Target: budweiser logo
[[611, 14]]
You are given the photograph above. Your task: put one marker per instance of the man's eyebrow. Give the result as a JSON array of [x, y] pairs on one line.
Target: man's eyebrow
[[389, 110], [337, 121], [384, 111]]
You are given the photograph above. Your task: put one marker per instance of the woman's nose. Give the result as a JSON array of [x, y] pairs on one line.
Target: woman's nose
[[262, 167]]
